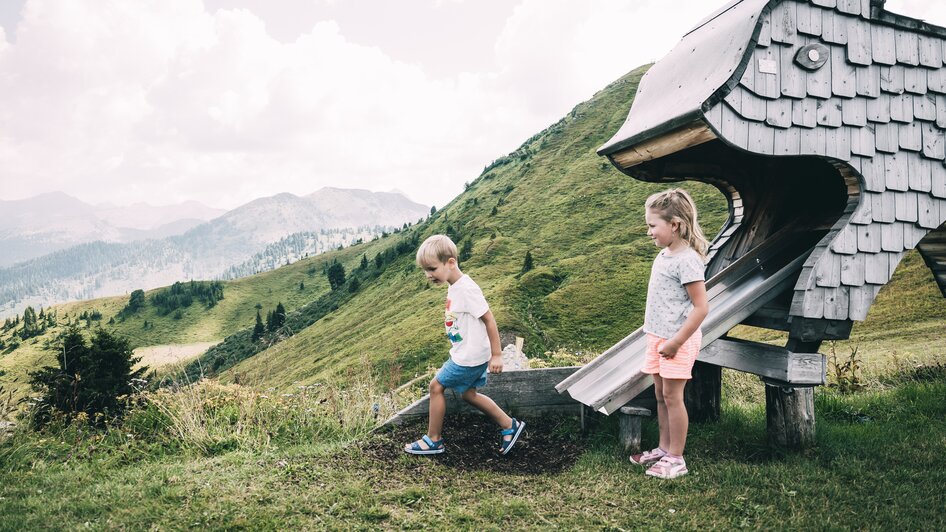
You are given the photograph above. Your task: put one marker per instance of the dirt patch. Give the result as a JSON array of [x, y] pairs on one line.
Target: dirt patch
[[155, 356], [548, 445]]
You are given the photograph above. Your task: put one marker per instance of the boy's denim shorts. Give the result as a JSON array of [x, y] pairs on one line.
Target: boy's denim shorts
[[462, 378]]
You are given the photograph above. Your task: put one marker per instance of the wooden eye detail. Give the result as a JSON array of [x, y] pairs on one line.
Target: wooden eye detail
[[812, 56]]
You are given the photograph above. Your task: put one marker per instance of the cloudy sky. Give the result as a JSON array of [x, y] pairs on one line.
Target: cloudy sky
[[224, 101]]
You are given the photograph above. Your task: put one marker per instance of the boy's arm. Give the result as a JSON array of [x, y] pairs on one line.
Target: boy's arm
[[492, 331], [697, 292]]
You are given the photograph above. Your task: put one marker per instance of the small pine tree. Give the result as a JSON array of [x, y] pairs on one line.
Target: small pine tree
[[527, 263], [354, 285], [259, 328], [466, 250], [336, 275], [379, 260], [364, 261], [494, 212], [279, 315], [433, 210], [301, 286]]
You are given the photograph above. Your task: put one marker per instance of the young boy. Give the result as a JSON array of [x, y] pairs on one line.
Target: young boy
[[472, 330]]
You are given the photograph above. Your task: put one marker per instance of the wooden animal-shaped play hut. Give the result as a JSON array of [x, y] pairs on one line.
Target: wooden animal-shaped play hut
[[822, 122]]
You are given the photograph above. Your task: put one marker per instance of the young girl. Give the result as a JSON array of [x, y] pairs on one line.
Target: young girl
[[676, 305]]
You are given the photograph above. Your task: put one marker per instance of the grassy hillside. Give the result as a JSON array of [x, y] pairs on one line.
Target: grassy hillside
[[582, 221]]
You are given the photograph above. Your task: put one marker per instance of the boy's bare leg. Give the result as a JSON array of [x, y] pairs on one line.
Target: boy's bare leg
[[663, 420], [486, 405], [676, 415], [438, 409]]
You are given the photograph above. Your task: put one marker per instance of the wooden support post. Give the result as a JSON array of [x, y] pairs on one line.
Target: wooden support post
[[790, 411], [702, 394], [790, 416], [629, 427]]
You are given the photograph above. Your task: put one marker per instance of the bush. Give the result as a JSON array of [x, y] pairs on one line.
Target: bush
[[90, 380]]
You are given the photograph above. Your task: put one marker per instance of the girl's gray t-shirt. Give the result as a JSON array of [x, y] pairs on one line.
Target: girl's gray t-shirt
[[668, 302]]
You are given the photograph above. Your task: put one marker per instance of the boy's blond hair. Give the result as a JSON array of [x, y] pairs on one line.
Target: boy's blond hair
[[676, 205], [437, 248]]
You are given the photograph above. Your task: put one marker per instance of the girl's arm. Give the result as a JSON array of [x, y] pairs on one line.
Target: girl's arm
[[697, 292], [492, 331]]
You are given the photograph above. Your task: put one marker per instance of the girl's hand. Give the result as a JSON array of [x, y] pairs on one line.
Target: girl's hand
[[495, 364], [669, 349]]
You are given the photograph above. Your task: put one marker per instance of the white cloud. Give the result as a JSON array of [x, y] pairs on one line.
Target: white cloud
[[164, 100]]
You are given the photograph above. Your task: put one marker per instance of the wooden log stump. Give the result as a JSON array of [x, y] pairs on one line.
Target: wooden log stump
[[702, 394], [629, 427], [790, 415]]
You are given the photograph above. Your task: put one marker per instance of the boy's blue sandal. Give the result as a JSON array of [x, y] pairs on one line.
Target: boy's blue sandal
[[515, 431], [433, 447]]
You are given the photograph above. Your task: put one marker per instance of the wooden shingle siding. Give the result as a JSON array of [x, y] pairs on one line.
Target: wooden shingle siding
[[834, 27], [854, 112], [891, 79], [901, 108], [783, 23], [919, 172], [931, 51], [911, 138], [936, 80], [924, 107], [849, 7], [907, 48], [882, 50], [829, 113], [808, 19], [868, 238], [915, 80], [867, 81], [878, 109], [778, 113]]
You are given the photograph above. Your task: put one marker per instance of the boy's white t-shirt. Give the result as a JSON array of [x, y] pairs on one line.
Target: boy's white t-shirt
[[465, 330]]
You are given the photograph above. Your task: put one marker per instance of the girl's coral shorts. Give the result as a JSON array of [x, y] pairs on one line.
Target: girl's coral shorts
[[677, 367]]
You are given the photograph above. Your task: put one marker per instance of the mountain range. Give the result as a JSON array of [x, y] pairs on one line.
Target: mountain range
[[107, 260]]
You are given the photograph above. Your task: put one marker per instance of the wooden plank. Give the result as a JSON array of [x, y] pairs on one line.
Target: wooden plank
[[882, 208], [761, 139], [819, 82], [905, 204], [808, 19], [765, 360], [765, 33], [838, 143], [845, 242], [825, 3], [874, 172], [833, 27], [849, 7], [912, 234], [793, 80], [924, 107], [862, 215], [783, 23], [882, 45], [896, 171], [868, 239], [778, 113], [515, 391], [766, 81], [891, 79], [941, 111], [867, 82], [836, 301], [901, 108], [931, 51], [829, 112], [805, 112], [920, 174], [936, 80], [915, 80], [788, 141], [907, 47], [813, 303], [748, 77], [928, 211], [938, 180], [843, 74], [828, 271], [858, 42], [876, 268], [813, 141], [752, 107], [887, 137], [861, 299], [734, 127], [893, 260], [878, 109], [863, 141], [677, 140], [854, 112], [891, 237], [852, 269], [934, 145], [911, 138]]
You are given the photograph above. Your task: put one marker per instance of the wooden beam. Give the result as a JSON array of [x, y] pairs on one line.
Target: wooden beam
[[766, 360], [677, 140]]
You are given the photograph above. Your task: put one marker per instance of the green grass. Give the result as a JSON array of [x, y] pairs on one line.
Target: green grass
[[878, 464]]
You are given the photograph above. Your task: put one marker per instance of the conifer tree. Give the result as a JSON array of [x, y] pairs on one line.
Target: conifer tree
[[527, 263], [258, 329]]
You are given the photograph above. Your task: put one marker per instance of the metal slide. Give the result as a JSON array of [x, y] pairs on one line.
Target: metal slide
[[608, 382]]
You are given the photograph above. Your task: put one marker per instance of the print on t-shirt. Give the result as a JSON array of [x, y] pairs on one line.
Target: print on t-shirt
[[450, 322]]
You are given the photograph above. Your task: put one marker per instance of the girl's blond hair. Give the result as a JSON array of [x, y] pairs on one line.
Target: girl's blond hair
[[675, 205], [437, 248]]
